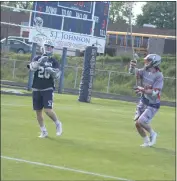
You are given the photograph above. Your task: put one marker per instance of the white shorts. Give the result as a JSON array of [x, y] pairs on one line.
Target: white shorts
[[145, 113]]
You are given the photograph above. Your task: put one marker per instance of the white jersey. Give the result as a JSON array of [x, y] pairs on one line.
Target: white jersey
[[153, 81]]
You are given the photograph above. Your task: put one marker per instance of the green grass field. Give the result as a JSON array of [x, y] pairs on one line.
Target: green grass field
[[98, 138]]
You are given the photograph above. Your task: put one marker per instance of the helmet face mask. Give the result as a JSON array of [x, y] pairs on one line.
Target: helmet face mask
[[48, 48], [147, 63]]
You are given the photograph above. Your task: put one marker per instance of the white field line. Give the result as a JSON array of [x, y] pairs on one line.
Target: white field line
[[63, 168]]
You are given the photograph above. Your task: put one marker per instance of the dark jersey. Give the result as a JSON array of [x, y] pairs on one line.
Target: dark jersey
[[42, 79]]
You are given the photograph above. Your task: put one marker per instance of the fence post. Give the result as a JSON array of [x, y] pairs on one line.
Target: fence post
[[63, 63], [109, 81], [75, 82], [13, 73]]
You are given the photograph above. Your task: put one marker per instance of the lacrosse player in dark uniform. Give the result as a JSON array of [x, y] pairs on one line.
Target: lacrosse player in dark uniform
[[151, 82], [46, 70]]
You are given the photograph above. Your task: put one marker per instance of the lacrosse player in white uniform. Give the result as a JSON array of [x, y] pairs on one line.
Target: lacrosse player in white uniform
[[151, 79]]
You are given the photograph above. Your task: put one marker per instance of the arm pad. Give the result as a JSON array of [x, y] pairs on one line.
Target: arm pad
[[33, 66], [155, 92]]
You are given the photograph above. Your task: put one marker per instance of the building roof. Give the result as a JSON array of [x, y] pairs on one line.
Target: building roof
[[135, 29]]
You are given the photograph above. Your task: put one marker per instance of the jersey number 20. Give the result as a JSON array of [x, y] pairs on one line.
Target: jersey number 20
[[42, 73]]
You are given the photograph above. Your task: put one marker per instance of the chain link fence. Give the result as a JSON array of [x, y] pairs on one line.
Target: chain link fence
[[105, 81]]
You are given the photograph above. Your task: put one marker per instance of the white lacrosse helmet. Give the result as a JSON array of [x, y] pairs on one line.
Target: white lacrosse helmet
[[48, 47], [152, 60]]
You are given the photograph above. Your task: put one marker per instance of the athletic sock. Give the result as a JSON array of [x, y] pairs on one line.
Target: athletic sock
[[57, 122], [43, 128], [146, 139], [152, 132]]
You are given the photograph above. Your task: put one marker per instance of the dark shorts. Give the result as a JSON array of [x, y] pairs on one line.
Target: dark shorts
[[42, 99]]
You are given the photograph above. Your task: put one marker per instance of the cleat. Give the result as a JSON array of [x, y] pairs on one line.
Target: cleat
[[153, 139], [146, 144], [43, 134], [59, 129]]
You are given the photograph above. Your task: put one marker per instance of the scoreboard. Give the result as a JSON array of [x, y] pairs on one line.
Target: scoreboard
[[79, 6], [73, 17], [102, 10]]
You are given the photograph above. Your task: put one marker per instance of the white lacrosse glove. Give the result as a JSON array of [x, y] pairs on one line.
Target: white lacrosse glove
[[42, 60], [49, 70], [55, 73], [33, 66], [139, 89]]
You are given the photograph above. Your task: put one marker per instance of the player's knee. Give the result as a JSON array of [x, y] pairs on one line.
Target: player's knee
[[39, 112], [39, 115], [142, 122], [137, 124], [47, 111]]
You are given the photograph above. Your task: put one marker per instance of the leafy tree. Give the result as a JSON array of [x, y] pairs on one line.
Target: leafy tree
[[18, 4], [120, 11], [161, 14], [115, 9], [127, 7]]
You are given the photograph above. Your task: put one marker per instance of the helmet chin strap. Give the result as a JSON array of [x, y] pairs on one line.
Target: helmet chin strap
[[48, 53], [150, 65], [151, 68]]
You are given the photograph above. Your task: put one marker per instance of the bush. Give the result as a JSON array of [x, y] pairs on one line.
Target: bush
[[108, 59], [119, 83], [125, 58], [171, 71], [121, 90], [100, 85], [168, 59], [57, 57], [25, 57]]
